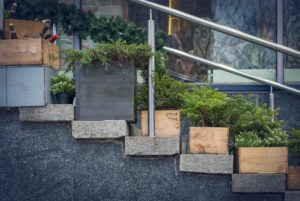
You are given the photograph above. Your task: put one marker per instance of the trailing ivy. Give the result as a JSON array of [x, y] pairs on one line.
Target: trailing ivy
[[71, 19]]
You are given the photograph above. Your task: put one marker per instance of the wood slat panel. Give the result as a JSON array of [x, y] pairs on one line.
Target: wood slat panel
[[167, 123], [20, 52], [24, 28], [294, 177], [262, 159], [208, 140]]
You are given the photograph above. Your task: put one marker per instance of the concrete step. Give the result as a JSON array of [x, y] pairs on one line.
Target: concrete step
[[151, 146], [206, 163], [292, 196], [48, 113], [107, 129], [258, 183]]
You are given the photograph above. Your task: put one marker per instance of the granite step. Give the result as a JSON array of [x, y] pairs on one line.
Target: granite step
[[48, 113], [107, 129]]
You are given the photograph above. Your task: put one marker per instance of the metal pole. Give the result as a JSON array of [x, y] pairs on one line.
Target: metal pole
[[272, 105], [151, 70], [231, 70], [220, 28], [76, 39], [280, 63]]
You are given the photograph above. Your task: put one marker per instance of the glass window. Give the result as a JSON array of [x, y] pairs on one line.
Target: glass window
[[256, 17], [292, 39]]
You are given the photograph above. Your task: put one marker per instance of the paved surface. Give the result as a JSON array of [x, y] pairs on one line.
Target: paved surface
[[41, 161]]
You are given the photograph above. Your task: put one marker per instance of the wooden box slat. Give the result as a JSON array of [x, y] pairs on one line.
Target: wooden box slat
[[208, 140], [24, 28], [293, 178], [262, 160], [167, 123], [29, 52]]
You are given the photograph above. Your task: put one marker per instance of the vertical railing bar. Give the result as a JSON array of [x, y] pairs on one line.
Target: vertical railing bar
[[151, 70]]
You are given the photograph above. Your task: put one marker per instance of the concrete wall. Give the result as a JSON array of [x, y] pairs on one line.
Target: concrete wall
[[41, 161]]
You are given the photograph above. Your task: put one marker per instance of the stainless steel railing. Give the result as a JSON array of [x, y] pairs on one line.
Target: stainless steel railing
[[230, 70], [220, 28]]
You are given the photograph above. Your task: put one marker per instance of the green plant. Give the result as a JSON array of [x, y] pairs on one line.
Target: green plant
[[70, 20], [107, 52], [168, 92], [248, 139], [294, 141], [62, 84], [273, 138], [204, 106]]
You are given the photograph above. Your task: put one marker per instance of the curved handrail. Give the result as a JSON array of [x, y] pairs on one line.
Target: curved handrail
[[220, 28], [230, 70]]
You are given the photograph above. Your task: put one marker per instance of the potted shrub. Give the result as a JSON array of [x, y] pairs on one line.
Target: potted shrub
[[204, 107], [294, 171], [63, 88], [168, 101], [262, 154], [105, 78]]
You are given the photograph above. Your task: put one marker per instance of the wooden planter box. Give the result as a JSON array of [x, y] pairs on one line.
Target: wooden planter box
[[262, 160], [24, 28], [293, 178], [208, 140], [29, 52], [167, 123], [105, 92]]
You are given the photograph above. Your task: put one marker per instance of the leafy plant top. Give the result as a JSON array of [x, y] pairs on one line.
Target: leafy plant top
[[273, 138], [62, 84], [168, 92], [107, 52], [294, 142], [204, 105]]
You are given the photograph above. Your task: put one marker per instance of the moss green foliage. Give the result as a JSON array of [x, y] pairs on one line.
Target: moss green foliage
[[168, 92], [112, 51], [273, 138], [204, 105], [294, 142], [248, 139], [62, 84], [72, 20]]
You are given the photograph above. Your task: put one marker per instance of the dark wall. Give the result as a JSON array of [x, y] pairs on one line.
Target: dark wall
[[40, 161]]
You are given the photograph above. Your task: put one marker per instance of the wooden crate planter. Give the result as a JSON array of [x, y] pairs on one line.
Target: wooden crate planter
[[24, 28], [208, 140], [262, 160], [29, 52], [293, 179], [167, 123], [105, 92]]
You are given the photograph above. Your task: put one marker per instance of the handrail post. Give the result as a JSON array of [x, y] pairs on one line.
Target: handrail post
[[271, 99], [151, 70]]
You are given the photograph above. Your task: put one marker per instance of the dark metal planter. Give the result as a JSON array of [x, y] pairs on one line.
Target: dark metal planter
[[105, 92]]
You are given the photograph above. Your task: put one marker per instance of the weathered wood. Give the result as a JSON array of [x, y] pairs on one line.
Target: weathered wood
[[208, 140], [262, 159], [105, 92], [50, 54], [167, 123], [294, 178], [24, 28], [29, 52]]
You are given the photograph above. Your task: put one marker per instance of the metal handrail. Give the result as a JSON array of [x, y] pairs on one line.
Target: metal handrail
[[220, 28], [230, 70]]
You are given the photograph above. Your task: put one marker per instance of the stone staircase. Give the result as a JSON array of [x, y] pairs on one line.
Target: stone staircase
[[159, 147]]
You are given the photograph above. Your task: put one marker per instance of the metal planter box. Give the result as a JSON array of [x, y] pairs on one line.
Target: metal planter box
[[25, 85], [105, 91]]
